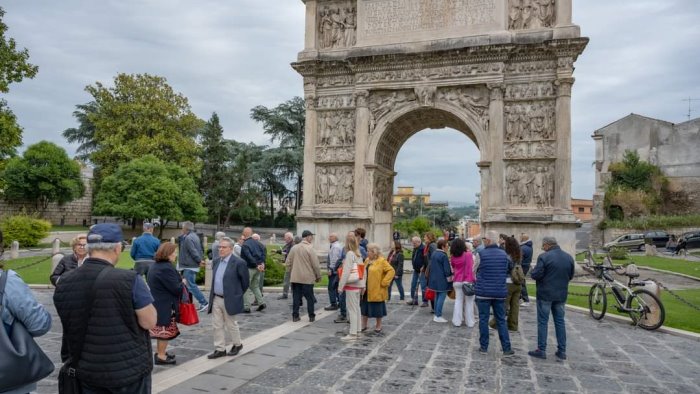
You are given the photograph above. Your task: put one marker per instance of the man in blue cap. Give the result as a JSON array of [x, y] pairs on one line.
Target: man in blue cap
[[106, 313]]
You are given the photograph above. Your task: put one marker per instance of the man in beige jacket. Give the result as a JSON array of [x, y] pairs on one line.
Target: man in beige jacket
[[303, 264]]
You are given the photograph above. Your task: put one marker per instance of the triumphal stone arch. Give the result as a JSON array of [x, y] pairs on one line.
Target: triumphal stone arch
[[378, 71]]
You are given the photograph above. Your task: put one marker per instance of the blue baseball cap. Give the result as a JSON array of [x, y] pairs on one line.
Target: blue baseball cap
[[105, 232]]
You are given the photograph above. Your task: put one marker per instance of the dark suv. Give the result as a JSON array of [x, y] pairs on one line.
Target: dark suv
[[690, 240], [656, 238]]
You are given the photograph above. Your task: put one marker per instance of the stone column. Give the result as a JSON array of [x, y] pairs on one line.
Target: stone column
[[311, 26], [485, 175], [562, 179], [494, 193], [563, 10], [362, 116], [309, 153]]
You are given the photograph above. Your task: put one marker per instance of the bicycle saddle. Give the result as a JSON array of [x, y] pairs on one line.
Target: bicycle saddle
[[631, 271]]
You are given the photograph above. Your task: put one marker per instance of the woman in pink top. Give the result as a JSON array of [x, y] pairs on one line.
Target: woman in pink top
[[463, 268]]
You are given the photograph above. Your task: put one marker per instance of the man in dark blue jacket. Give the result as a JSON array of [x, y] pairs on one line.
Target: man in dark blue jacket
[[553, 271], [417, 260], [526, 253], [491, 292], [253, 253]]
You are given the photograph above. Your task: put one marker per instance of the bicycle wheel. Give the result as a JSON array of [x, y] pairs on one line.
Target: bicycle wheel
[[646, 310], [597, 301]]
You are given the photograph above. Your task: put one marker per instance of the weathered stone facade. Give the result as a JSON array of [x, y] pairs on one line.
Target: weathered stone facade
[[673, 147], [378, 71], [74, 213]]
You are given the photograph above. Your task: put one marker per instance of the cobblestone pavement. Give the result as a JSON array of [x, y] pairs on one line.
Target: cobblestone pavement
[[416, 355]]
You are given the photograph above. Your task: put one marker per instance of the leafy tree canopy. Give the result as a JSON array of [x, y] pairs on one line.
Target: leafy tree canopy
[[140, 115], [43, 174], [147, 187]]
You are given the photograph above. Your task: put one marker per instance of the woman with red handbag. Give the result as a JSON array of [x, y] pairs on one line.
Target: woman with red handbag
[[166, 288]]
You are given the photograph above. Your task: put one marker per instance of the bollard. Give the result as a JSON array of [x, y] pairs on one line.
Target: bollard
[[172, 239], [56, 246], [14, 250], [55, 259]]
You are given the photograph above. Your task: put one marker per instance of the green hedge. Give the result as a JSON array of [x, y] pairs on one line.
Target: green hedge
[[652, 222], [27, 230]]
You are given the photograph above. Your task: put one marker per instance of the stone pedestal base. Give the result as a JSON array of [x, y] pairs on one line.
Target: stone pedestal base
[[564, 232]]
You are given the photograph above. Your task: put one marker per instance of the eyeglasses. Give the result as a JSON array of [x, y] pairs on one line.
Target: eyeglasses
[[81, 245], [224, 247]]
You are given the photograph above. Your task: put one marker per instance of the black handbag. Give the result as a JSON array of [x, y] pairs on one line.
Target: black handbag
[[22, 361], [468, 289], [68, 375]]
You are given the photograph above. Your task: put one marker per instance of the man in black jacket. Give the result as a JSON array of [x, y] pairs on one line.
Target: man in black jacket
[[553, 271], [111, 340], [526, 253], [417, 260]]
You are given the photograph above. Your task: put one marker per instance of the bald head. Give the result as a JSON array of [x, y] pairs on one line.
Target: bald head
[[247, 232], [332, 237]]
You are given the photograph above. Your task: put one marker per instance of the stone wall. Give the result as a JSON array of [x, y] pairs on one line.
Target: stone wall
[[78, 212]]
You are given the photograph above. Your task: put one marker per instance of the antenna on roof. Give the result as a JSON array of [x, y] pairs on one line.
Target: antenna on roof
[[690, 102]]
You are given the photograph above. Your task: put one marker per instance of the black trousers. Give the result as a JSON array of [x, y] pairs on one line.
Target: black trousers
[[307, 291]]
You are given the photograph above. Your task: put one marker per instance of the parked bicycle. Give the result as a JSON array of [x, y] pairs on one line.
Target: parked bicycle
[[644, 307]]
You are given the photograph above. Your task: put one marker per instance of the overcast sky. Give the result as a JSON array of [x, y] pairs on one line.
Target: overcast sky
[[228, 56]]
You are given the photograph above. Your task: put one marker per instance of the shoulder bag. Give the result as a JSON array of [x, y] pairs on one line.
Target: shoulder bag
[[188, 313], [22, 361]]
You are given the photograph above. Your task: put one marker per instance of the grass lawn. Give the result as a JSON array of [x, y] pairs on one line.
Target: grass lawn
[[686, 267], [678, 315], [39, 274]]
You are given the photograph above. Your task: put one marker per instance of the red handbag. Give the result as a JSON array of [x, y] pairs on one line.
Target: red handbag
[[430, 294], [188, 313]]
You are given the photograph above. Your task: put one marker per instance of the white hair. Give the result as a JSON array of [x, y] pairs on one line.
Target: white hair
[[189, 226], [102, 246], [416, 239], [492, 236], [219, 235], [227, 240], [256, 237]]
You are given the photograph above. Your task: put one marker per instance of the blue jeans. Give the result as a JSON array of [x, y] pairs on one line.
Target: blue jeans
[[333, 295], [418, 277], [499, 313], [557, 309], [523, 292], [190, 276], [399, 285], [439, 301]]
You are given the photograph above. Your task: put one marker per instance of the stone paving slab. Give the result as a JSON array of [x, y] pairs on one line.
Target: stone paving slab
[[415, 355]]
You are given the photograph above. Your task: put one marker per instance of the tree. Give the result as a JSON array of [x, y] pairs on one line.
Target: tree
[[44, 174], [636, 187], [286, 124], [214, 183], [147, 187], [14, 67], [268, 174], [140, 115]]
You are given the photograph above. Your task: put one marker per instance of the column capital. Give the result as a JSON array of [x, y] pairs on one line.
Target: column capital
[[361, 98], [496, 90], [564, 86]]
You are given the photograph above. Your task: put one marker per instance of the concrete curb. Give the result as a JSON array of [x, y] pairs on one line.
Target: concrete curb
[[622, 319], [695, 278]]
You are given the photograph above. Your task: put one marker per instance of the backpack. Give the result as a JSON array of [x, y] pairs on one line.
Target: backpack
[[517, 275]]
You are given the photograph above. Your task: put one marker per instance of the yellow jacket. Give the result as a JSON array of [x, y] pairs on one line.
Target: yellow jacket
[[379, 275]]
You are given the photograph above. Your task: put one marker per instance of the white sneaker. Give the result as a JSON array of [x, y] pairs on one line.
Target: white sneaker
[[350, 338], [203, 308], [522, 303], [439, 320]]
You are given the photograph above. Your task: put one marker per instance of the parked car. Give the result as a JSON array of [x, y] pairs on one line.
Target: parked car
[[690, 240], [629, 241], [657, 238]]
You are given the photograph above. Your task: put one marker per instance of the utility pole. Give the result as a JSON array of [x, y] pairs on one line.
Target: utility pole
[[690, 102]]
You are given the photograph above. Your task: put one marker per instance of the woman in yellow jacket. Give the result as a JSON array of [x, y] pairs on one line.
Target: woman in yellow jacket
[[379, 274]]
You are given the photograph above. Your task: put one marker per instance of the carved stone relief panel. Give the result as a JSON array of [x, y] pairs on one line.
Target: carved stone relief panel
[[533, 67], [530, 150], [532, 90], [383, 187], [530, 121], [328, 81], [335, 102], [332, 154], [434, 73], [334, 184], [531, 14], [336, 128], [381, 102], [530, 184], [337, 25], [474, 99]]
